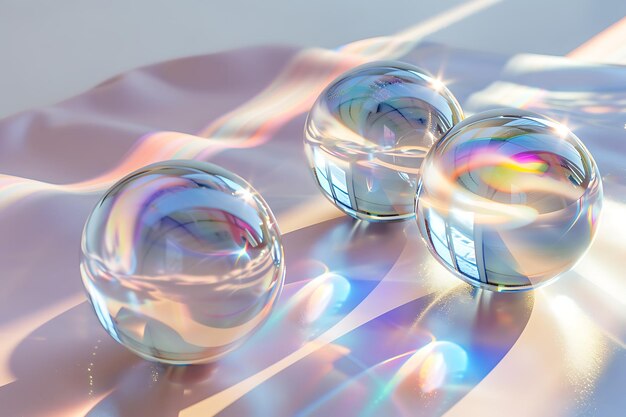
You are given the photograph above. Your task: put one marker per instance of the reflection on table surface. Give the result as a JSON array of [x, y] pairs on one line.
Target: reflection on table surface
[[368, 323]]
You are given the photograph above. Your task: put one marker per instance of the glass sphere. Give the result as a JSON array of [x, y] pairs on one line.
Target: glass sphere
[[368, 132], [182, 260], [508, 200]]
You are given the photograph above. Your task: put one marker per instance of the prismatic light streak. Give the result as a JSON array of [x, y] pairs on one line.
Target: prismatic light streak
[[436, 365], [606, 46], [389, 294], [399, 378], [251, 124], [298, 85], [150, 149]]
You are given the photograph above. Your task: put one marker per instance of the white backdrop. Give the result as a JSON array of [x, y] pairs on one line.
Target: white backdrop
[[51, 50]]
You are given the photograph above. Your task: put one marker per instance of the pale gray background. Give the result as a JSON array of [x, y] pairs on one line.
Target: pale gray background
[[52, 50]]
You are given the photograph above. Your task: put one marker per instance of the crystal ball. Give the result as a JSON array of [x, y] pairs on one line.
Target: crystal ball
[[368, 132], [508, 200], [182, 261]]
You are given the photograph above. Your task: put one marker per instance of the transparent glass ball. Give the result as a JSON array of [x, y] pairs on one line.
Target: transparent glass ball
[[368, 132], [182, 260], [508, 200]]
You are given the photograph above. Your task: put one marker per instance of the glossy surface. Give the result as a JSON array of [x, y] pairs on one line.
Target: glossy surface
[[509, 200], [365, 324], [182, 260], [368, 132]]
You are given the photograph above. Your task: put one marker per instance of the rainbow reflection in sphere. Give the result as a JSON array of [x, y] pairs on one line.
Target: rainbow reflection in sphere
[[368, 132], [182, 261], [508, 200]]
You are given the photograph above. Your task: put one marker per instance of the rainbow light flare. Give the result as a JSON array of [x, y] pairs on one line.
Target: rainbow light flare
[[291, 93], [368, 132], [182, 261], [504, 199]]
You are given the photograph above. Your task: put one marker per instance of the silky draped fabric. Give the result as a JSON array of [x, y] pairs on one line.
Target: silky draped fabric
[[368, 323]]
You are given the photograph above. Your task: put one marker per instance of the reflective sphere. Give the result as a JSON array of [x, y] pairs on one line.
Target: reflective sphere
[[508, 200], [368, 132], [182, 261]]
